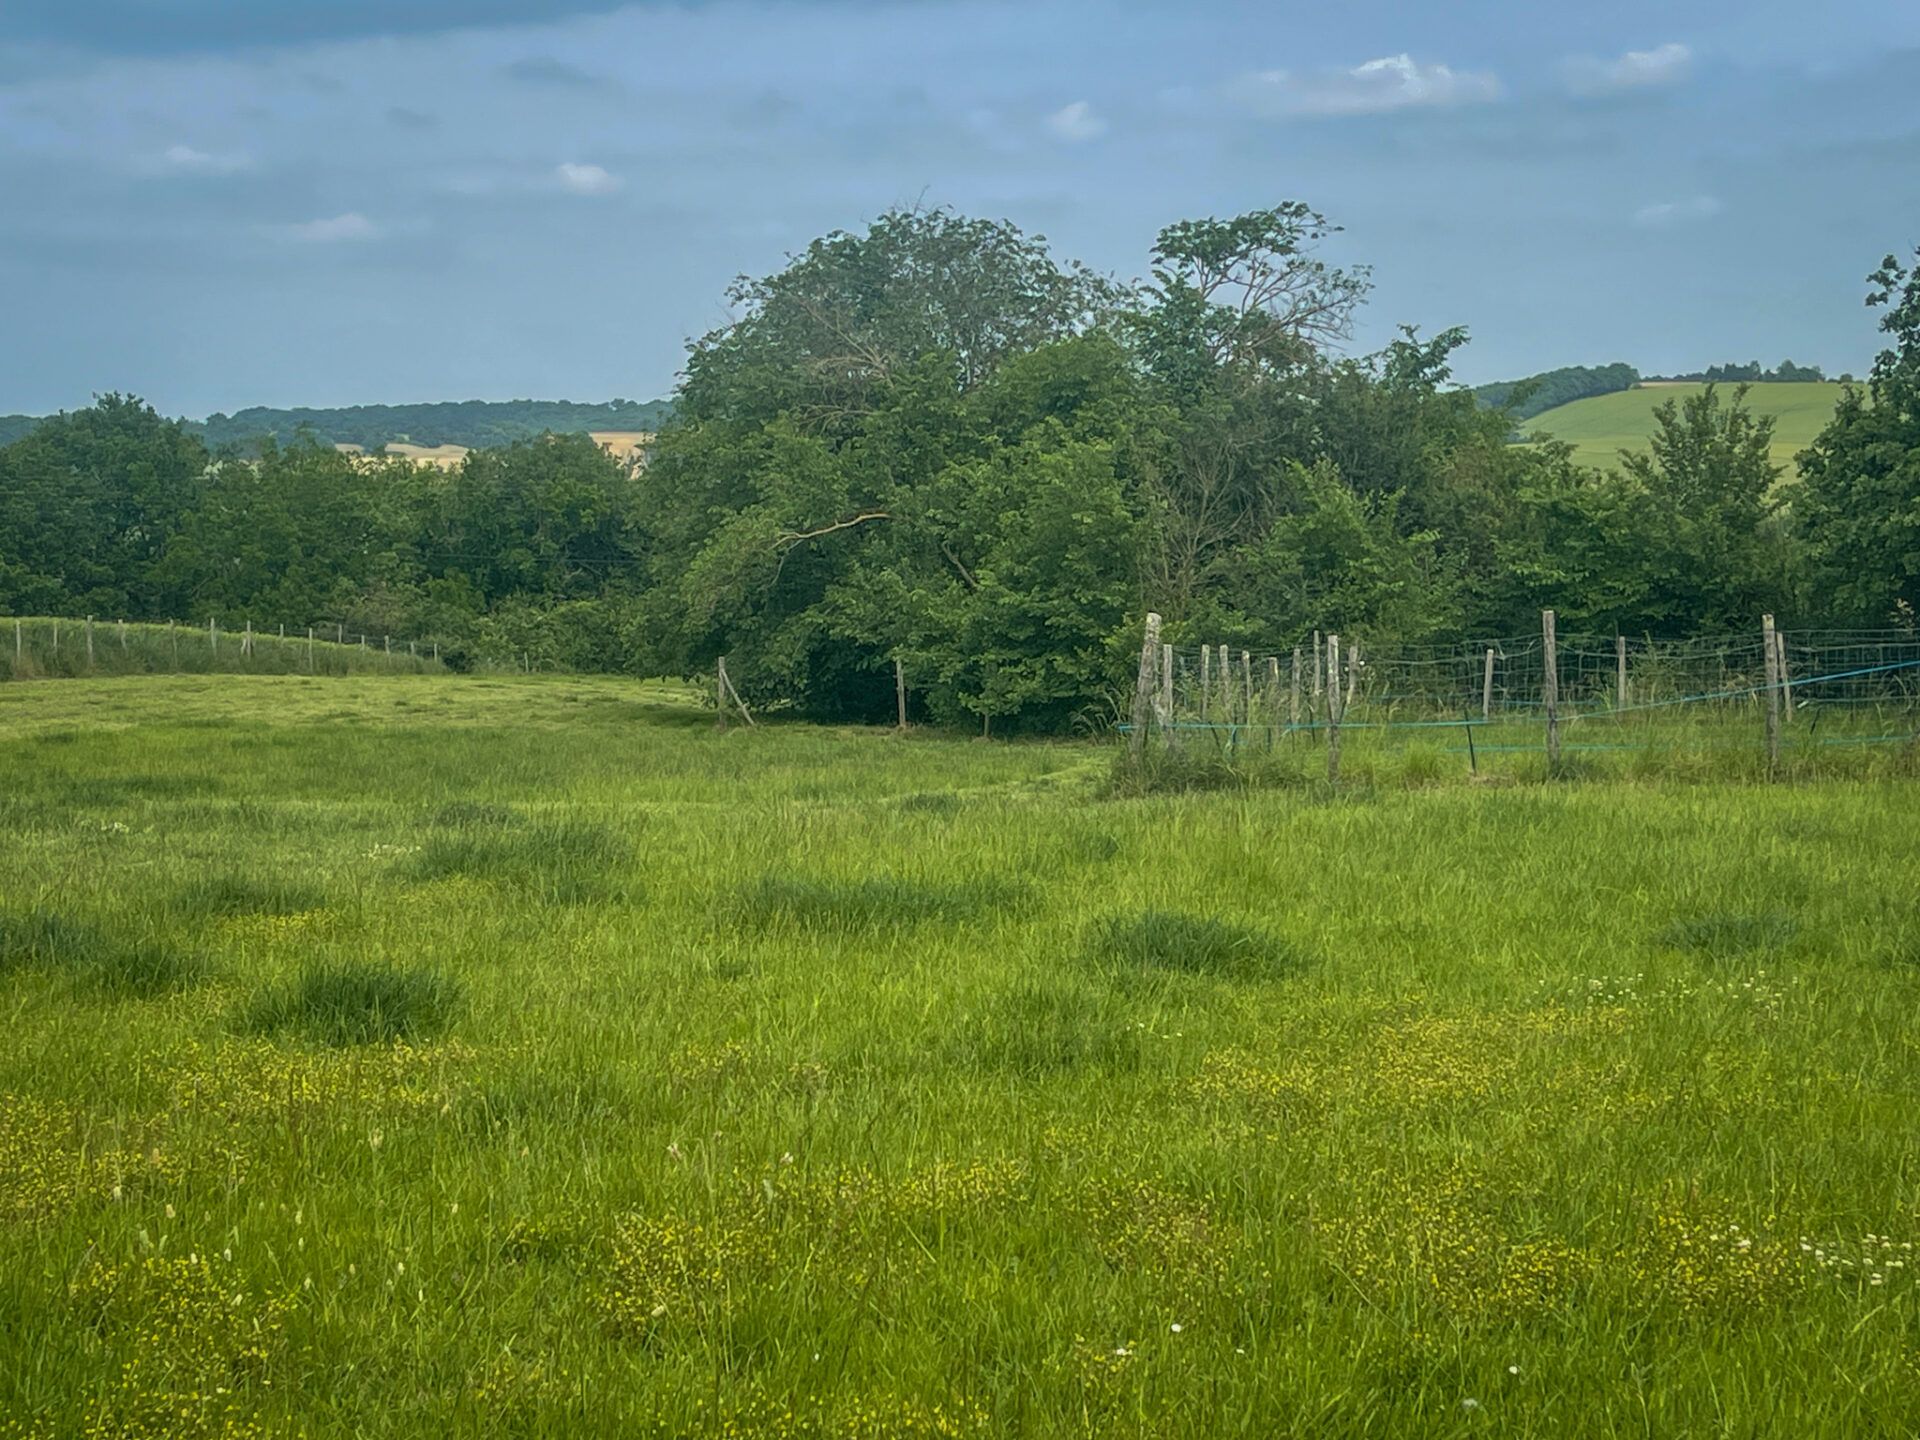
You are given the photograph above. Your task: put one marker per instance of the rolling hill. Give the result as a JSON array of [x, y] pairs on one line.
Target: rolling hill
[[1601, 426]]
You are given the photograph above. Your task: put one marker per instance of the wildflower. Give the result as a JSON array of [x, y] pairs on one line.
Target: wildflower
[[1469, 1404], [1513, 1369], [1175, 1327]]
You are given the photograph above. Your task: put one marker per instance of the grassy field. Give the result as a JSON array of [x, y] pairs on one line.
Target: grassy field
[[510, 1057], [1601, 427]]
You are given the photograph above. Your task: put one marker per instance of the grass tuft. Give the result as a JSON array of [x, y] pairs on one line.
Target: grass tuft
[[88, 955], [1165, 940], [558, 861], [357, 1003], [222, 896], [1724, 937], [876, 903], [1043, 1025]]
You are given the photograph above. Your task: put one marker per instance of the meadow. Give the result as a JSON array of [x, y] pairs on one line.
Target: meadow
[[1600, 427], [514, 1056]]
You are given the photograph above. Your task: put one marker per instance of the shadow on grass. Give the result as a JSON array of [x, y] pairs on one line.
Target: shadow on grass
[[223, 896]]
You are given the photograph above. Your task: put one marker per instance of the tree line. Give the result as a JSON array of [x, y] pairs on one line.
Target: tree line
[[935, 442]]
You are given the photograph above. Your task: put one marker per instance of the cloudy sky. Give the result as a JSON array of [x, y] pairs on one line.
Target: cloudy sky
[[217, 203]]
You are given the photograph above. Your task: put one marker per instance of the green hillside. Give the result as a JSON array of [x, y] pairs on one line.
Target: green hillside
[[1601, 426]]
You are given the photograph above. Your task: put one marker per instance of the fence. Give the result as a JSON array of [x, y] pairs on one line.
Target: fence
[[49, 646], [1541, 693]]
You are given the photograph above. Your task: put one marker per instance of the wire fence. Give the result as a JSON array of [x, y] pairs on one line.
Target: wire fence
[[1538, 692], [43, 646]]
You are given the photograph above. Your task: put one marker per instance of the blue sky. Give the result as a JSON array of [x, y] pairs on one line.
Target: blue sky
[[217, 203]]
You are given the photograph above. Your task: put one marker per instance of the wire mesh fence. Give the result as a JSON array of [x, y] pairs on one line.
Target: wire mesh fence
[[33, 647], [1543, 692]]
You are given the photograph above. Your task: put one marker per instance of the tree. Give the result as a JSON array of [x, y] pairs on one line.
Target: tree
[[1858, 503], [1715, 555], [87, 502]]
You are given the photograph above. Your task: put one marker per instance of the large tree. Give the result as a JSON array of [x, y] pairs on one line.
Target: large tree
[[1858, 504]]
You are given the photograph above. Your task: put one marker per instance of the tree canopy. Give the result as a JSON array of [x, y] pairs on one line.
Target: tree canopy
[[930, 441]]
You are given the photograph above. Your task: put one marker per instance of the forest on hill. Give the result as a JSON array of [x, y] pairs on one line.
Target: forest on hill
[[934, 441], [475, 424]]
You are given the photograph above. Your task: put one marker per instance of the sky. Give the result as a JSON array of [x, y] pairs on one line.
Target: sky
[[222, 203]]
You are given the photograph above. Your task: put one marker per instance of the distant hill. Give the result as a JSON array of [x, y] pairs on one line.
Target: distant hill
[[1536, 393], [475, 424], [1600, 427], [471, 424]]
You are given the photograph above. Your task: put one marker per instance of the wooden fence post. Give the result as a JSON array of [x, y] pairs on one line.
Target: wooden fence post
[[1226, 695], [213, 635], [1317, 689], [123, 635], [1293, 690], [1246, 688], [1335, 708], [1273, 700], [340, 633], [19, 642], [1206, 683], [56, 637], [1786, 678], [1620, 672], [1773, 692], [1143, 687], [1168, 715], [900, 693], [1486, 688], [89, 642], [720, 693], [1353, 671], [246, 640], [1550, 688], [309, 649]]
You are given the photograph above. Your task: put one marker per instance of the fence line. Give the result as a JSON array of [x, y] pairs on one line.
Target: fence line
[[1807, 686], [42, 646]]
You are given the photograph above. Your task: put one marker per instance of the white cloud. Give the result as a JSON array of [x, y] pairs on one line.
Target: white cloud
[[1677, 212], [585, 179], [1076, 123], [332, 230], [1636, 70], [1393, 82], [185, 160]]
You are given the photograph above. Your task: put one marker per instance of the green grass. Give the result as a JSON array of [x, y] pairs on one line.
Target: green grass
[[543, 1062], [1600, 427]]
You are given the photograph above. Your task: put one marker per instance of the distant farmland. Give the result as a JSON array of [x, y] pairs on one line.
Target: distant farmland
[[1600, 427]]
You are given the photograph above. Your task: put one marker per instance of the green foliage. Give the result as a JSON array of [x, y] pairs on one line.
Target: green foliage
[[1858, 504], [876, 902]]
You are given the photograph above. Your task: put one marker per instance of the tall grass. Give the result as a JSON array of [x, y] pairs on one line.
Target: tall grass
[[546, 1063]]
